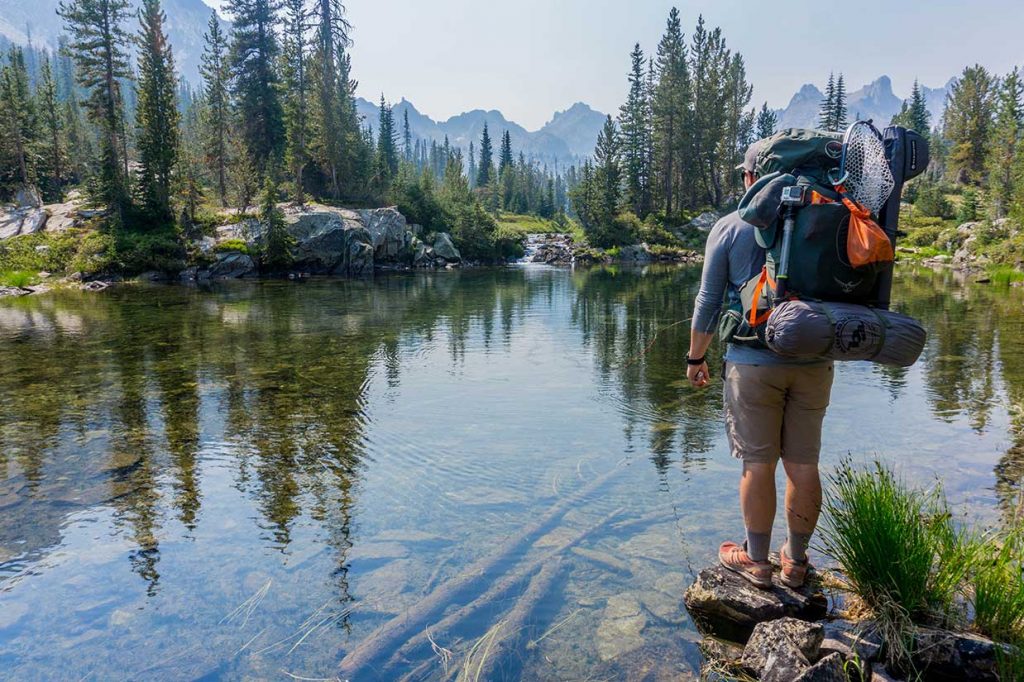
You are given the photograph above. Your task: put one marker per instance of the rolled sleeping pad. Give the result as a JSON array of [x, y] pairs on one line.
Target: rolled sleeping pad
[[844, 331]]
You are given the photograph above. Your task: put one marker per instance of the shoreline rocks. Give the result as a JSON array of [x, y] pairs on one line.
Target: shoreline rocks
[[782, 634]]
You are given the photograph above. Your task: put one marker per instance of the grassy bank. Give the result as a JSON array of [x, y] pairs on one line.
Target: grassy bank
[[904, 562]]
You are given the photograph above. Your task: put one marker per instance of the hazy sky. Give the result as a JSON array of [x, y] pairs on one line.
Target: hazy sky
[[529, 58]]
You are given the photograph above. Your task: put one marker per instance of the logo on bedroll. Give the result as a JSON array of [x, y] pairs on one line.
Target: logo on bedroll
[[834, 149], [853, 334]]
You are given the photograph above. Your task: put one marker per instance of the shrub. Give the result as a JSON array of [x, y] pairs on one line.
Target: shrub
[[232, 245], [932, 201], [96, 253], [17, 278], [160, 250]]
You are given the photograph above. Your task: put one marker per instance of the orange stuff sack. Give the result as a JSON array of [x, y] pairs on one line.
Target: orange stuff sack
[[866, 243]]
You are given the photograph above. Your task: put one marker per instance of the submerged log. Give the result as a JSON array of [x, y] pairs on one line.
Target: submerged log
[[512, 626], [497, 590], [388, 635]]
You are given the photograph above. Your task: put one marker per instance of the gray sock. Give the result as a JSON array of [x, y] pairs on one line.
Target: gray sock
[[796, 545], [758, 544]]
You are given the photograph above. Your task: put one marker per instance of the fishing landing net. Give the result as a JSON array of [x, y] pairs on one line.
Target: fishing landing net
[[865, 173]]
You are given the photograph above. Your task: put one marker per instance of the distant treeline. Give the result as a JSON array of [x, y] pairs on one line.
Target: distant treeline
[[275, 113]]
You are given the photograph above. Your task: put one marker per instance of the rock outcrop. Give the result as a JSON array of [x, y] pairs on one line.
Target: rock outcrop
[[336, 241], [25, 216], [726, 604]]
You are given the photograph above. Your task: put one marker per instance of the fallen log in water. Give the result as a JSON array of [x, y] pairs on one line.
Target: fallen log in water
[[506, 640], [497, 590], [388, 635]]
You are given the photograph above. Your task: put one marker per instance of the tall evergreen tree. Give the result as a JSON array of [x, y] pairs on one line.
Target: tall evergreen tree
[[914, 113], [19, 116], [295, 80], [98, 46], [49, 110], [710, 62], [157, 113], [826, 112], [738, 129], [471, 169], [609, 173], [634, 124], [967, 123], [406, 136], [216, 75], [253, 58], [505, 157], [485, 170], [766, 122], [839, 120], [670, 108], [338, 138], [1005, 144], [387, 153]]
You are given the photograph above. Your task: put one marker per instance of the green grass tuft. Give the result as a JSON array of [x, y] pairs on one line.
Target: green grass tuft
[[1005, 275], [17, 278]]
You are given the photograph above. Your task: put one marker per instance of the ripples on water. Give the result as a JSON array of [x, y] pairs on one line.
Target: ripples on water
[[245, 481]]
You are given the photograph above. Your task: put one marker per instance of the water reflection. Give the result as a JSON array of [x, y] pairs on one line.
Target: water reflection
[[167, 452]]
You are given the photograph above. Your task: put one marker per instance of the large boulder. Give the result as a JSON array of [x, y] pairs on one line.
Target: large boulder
[[635, 253], [15, 222], [445, 248], [954, 657], [232, 265], [28, 196], [727, 605], [330, 241], [772, 639], [389, 232], [705, 221]]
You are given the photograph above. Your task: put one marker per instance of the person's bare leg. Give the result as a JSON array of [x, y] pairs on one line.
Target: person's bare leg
[[803, 506], [757, 500]]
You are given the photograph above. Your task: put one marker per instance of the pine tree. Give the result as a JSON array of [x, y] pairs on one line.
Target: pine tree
[[839, 121], [157, 114], [671, 106], [826, 112], [914, 113], [967, 123], [19, 117], [387, 153], [49, 109], [1006, 143], [505, 157], [406, 136], [216, 119], [98, 46], [634, 123], [471, 169], [337, 133], [766, 122], [295, 80], [738, 128], [608, 173], [253, 58], [485, 170], [275, 252], [710, 64]]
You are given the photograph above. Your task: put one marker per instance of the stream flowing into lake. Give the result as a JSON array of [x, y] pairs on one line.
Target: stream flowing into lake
[[245, 480]]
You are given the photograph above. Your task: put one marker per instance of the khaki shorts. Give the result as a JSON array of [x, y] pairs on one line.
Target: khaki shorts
[[774, 411]]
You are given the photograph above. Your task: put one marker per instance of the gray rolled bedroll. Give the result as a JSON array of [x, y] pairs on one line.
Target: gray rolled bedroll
[[844, 331]]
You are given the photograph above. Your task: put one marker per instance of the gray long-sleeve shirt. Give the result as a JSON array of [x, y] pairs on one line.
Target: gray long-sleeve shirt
[[731, 258]]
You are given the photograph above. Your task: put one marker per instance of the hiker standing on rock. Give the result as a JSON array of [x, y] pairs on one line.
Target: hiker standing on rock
[[774, 407]]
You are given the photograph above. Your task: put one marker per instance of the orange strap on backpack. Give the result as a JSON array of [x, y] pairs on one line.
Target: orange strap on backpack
[[765, 278], [866, 243]]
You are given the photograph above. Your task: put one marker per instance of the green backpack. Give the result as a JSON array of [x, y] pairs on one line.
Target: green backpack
[[819, 269]]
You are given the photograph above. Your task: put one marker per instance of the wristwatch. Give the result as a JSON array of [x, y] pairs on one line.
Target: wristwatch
[[694, 361]]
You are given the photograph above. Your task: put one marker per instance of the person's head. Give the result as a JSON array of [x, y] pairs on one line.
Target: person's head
[[749, 165]]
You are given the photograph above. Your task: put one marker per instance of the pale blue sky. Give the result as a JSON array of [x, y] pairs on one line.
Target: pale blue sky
[[529, 58]]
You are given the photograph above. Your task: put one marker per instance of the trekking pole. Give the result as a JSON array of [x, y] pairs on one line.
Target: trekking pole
[[792, 198]]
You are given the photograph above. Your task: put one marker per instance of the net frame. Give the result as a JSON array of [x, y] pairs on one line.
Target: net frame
[[864, 173]]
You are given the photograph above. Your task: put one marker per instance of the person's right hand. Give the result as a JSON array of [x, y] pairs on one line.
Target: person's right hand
[[698, 375]]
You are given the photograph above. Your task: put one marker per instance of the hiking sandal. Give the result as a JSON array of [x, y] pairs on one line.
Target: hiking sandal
[[735, 558]]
